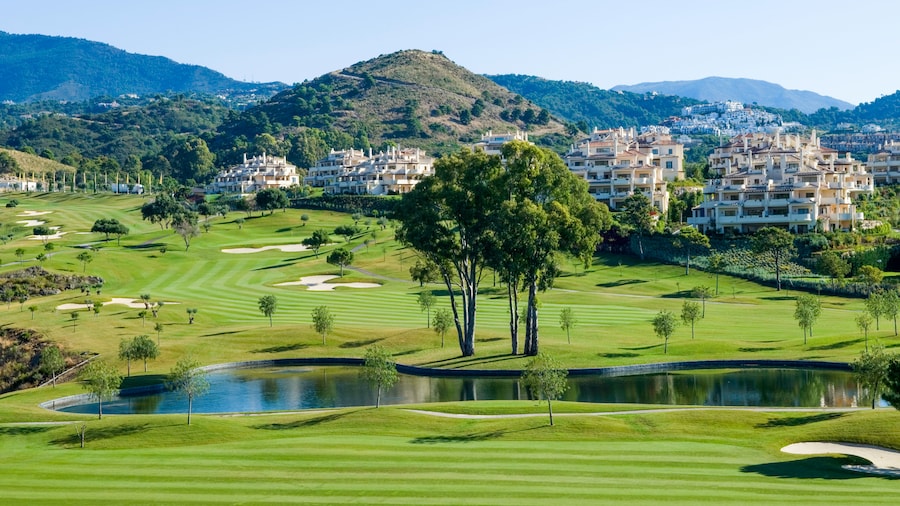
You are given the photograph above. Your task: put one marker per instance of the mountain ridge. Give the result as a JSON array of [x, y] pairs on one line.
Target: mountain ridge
[[748, 91], [38, 67]]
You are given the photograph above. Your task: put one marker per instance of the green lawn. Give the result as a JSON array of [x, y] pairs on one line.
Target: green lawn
[[389, 456]]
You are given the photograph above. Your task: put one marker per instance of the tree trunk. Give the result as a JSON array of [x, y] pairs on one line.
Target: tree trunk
[[469, 286], [666, 346], [454, 308], [99, 409], [531, 320], [378, 397], [641, 245], [687, 264], [550, 410], [512, 288], [717, 283], [777, 274], [190, 407], [145, 365], [692, 331]]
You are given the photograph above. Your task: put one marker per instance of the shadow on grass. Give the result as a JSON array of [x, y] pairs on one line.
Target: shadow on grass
[[816, 468], [837, 345], [465, 438], [408, 352], [621, 282], [681, 294], [220, 333], [626, 354], [779, 297], [146, 246], [490, 339], [22, 431], [638, 348], [139, 381], [459, 362], [359, 344], [299, 424], [796, 421], [282, 348], [276, 266], [755, 350], [93, 434]]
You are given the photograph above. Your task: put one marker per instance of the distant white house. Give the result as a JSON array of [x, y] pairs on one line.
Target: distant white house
[[492, 143], [14, 184], [254, 174]]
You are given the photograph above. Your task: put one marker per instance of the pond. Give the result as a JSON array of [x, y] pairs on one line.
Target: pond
[[294, 387]]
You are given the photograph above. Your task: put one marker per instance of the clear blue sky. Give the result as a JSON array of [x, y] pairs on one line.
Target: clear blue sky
[[845, 49]]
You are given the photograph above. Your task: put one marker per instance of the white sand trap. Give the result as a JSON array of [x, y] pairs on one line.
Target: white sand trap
[[33, 213], [31, 223], [318, 283], [56, 235], [884, 461], [287, 248], [132, 303]]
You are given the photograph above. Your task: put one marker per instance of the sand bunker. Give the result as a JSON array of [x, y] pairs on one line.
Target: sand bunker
[[288, 248], [318, 283], [31, 223], [33, 213], [884, 461], [132, 303], [56, 235]]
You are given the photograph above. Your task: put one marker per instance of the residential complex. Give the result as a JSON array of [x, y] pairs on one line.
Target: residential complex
[[790, 182], [885, 163], [257, 173], [617, 163], [396, 171], [492, 143], [725, 118]]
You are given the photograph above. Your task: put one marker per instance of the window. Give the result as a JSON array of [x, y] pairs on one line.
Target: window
[[670, 151], [669, 164]]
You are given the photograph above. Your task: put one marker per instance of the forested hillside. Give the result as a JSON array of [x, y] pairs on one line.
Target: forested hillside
[[589, 106], [409, 98], [37, 67]]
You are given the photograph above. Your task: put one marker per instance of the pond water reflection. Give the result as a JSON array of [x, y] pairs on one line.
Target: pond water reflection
[[289, 388]]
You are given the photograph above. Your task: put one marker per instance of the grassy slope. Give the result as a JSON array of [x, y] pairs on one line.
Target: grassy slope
[[613, 302], [390, 456], [35, 164]]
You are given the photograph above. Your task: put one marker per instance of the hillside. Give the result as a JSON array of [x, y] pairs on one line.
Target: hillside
[[36, 67], [748, 91], [134, 131], [410, 98], [583, 102], [29, 163]]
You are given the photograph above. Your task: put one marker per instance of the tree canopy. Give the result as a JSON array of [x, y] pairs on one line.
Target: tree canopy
[[380, 370], [189, 380], [102, 381], [546, 379], [776, 244]]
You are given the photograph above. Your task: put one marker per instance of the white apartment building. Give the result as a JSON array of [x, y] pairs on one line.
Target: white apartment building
[[789, 182], [393, 172], [492, 143], [257, 173], [618, 163], [885, 163]]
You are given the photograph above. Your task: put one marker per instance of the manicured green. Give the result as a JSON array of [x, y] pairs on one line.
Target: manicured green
[[391, 455], [388, 455]]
